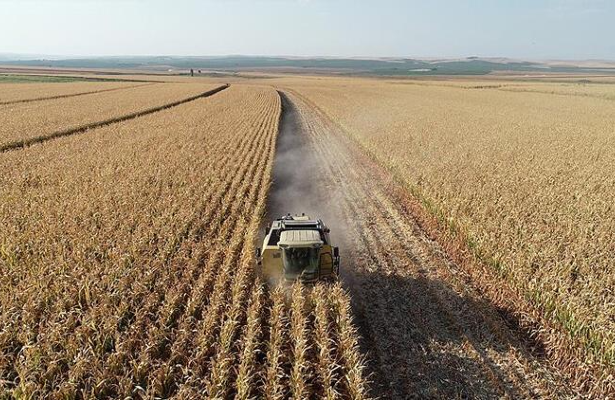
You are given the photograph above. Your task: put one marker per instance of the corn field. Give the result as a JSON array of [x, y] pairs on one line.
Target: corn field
[[477, 216], [39, 119], [26, 92], [127, 257]]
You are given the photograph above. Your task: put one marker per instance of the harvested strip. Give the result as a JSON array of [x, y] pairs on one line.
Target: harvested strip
[[28, 123], [29, 92]]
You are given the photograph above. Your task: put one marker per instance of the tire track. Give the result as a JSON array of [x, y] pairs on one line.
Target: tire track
[[402, 257]]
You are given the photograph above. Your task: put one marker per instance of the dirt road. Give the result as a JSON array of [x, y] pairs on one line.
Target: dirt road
[[426, 332]]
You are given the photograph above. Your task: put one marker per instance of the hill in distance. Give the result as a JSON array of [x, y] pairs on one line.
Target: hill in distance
[[349, 66]]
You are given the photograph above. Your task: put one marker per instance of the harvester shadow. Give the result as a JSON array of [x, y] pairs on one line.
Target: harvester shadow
[[423, 340]]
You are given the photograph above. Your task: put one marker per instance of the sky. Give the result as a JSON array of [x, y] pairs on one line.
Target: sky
[[526, 29]]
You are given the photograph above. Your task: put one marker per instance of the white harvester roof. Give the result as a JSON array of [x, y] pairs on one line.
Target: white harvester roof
[[300, 238]]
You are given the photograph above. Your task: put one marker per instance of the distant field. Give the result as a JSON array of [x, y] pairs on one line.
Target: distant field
[[11, 93], [36, 78], [23, 122], [587, 89], [9, 78]]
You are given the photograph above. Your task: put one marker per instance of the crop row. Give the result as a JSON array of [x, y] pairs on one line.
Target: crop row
[[11, 93], [23, 122]]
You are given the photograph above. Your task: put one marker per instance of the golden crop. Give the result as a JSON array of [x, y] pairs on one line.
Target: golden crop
[[127, 263], [22, 121], [23, 92], [525, 176]]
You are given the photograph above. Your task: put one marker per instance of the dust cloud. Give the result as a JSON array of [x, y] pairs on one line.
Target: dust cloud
[[295, 174]]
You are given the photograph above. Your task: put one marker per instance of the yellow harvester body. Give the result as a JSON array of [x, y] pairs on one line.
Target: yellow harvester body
[[298, 248]]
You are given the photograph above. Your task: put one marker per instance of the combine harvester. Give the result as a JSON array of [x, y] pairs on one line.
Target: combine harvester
[[298, 248]]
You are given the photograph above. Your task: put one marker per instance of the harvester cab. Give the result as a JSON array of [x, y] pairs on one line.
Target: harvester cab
[[297, 247]]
